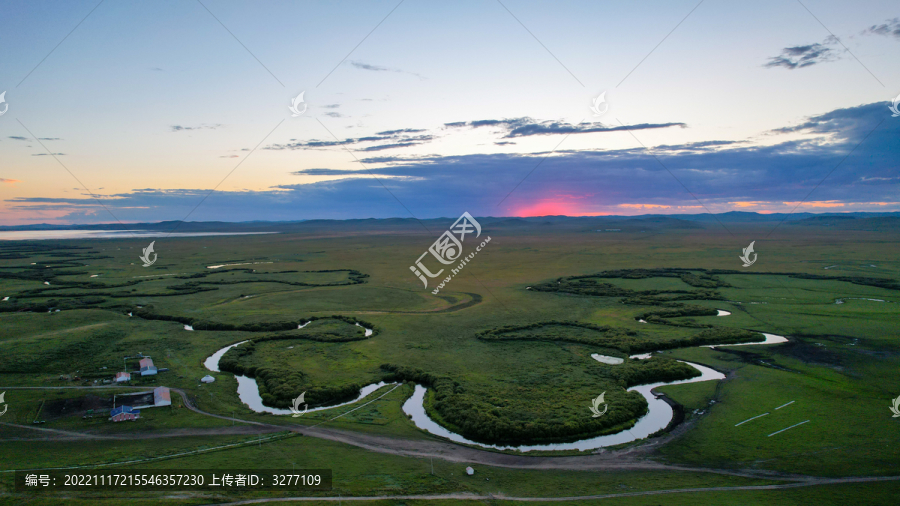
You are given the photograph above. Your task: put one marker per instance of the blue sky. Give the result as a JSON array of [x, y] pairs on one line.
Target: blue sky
[[445, 108]]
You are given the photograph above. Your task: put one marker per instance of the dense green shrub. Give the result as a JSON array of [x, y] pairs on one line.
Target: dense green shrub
[[278, 388], [147, 313], [499, 418], [623, 340]]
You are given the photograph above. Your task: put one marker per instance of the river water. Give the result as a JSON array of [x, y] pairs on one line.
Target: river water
[[33, 235], [658, 416], [248, 389]]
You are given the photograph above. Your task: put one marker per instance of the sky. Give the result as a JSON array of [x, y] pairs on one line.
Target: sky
[[169, 110]]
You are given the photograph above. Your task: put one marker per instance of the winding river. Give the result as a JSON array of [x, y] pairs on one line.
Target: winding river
[[248, 389], [658, 416]]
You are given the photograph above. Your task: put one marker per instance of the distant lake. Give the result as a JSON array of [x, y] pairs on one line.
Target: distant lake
[[32, 235]]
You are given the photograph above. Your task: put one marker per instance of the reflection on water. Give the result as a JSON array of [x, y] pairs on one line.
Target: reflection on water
[[231, 265], [32, 235], [248, 391], [212, 363], [770, 339], [607, 359]]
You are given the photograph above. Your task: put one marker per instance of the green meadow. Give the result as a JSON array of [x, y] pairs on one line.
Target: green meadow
[[505, 350]]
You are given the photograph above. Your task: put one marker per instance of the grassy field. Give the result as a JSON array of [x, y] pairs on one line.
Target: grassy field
[[839, 367]]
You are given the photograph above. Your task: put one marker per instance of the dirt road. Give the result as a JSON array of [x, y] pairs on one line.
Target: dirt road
[[629, 459], [501, 497]]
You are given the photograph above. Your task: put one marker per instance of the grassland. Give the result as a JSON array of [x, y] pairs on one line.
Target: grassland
[[839, 367]]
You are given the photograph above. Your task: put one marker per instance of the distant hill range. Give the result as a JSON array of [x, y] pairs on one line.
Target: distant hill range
[[844, 221]]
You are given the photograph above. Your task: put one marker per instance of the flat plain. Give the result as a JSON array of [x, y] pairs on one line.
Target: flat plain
[[505, 349]]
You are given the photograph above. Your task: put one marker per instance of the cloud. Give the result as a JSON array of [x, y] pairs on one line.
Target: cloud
[[725, 175], [330, 172], [813, 54], [880, 180], [179, 128], [816, 203], [402, 131], [9, 181], [47, 154], [28, 139], [331, 106], [523, 127], [889, 28], [697, 146], [334, 114], [395, 145], [389, 139], [804, 56], [652, 207], [850, 124], [230, 156], [377, 68]]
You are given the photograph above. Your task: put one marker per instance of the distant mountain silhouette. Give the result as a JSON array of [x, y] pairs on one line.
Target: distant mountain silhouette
[[861, 220]]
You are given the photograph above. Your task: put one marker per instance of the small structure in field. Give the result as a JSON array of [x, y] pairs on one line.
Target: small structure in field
[[207, 379], [147, 367], [123, 413], [470, 471], [122, 377], [162, 396]]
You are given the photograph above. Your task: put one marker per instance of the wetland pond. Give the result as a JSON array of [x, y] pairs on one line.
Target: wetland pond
[[607, 359]]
